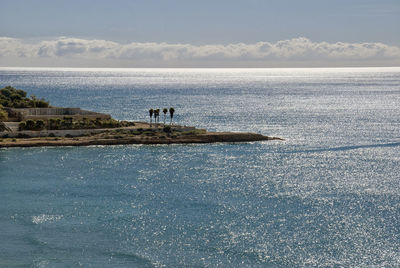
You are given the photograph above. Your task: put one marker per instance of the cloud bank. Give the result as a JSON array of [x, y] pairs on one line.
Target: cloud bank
[[297, 52]]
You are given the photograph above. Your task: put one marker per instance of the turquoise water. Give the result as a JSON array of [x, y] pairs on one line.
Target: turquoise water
[[327, 196]]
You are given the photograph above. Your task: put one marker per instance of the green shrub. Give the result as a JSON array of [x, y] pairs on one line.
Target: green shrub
[[53, 124], [30, 124], [3, 114], [68, 118], [66, 123], [126, 124], [167, 129], [39, 124], [42, 103], [91, 125], [22, 126]]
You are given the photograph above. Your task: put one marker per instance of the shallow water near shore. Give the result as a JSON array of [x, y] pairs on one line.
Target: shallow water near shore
[[326, 196]]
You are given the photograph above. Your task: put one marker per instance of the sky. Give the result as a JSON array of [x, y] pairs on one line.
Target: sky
[[206, 33]]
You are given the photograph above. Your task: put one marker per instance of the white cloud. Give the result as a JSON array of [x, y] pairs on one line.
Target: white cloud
[[102, 52]]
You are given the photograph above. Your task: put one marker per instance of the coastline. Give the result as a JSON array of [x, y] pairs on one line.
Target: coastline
[[130, 135]]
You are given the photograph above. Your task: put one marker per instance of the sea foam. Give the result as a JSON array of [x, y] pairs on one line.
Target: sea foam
[[45, 218]]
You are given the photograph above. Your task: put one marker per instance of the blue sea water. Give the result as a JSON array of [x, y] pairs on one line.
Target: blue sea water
[[327, 196]]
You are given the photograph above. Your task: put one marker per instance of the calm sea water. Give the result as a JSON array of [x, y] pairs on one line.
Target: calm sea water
[[327, 196]]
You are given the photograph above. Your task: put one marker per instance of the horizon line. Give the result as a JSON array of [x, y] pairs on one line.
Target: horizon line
[[312, 67]]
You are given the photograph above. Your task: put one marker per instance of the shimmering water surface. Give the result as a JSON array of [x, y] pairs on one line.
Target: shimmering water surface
[[327, 196]]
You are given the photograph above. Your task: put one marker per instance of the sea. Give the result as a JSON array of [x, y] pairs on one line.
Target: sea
[[326, 196]]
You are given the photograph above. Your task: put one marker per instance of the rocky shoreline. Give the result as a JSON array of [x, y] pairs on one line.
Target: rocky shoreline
[[132, 135]]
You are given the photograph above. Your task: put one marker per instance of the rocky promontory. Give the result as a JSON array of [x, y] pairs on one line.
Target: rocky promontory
[[32, 122], [140, 133]]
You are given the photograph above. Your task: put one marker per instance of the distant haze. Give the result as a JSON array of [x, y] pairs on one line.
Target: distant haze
[[178, 33]]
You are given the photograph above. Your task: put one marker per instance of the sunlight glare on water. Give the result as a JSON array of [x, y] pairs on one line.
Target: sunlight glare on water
[[326, 196]]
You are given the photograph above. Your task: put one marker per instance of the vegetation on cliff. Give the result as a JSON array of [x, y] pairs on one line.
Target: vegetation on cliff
[[3, 114], [3, 117], [16, 98]]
